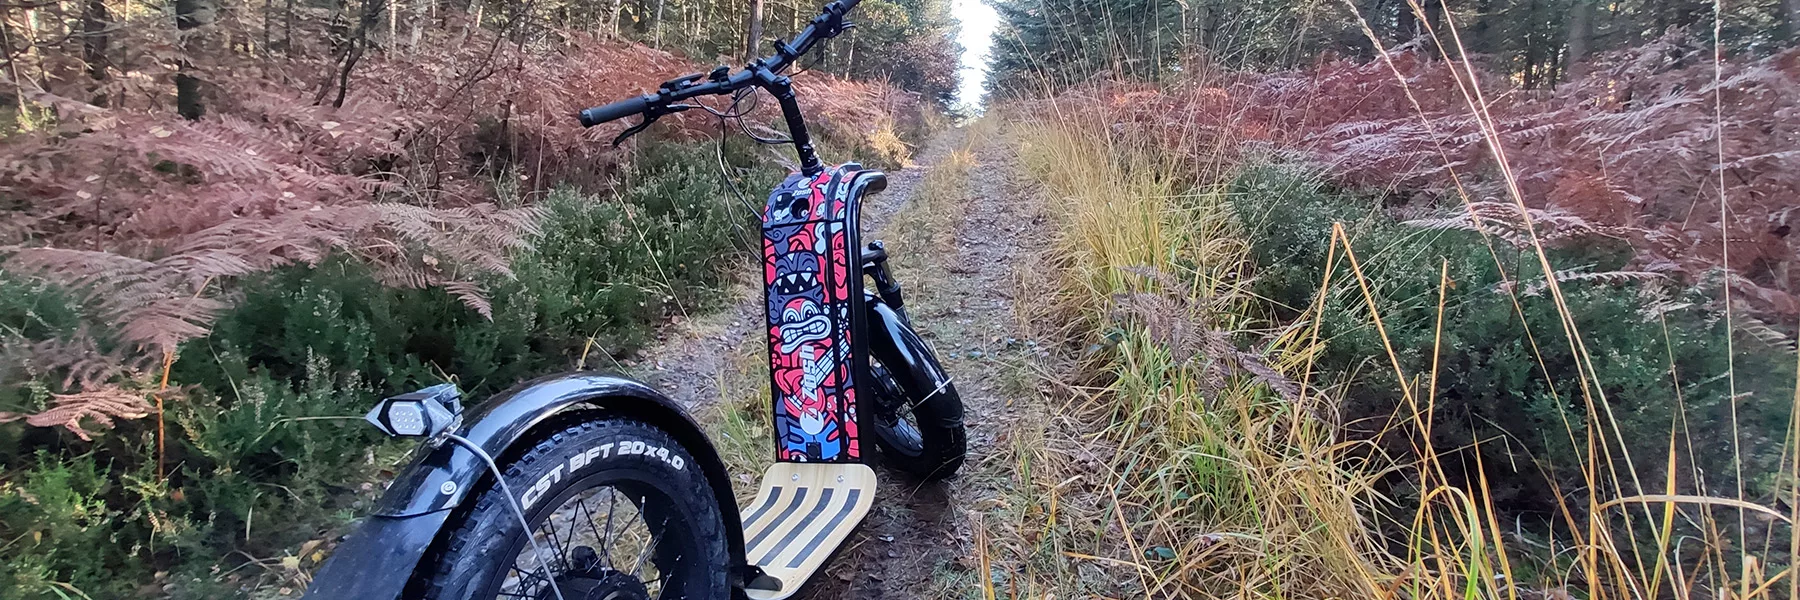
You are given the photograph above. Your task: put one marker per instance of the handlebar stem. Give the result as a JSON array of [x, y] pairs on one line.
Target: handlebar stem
[[782, 88]]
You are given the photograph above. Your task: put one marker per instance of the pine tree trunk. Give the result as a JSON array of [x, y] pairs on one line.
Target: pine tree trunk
[[1581, 32], [1434, 23], [1406, 24], [356, 46], [1203, 20], [1533, 56], [420, 15], [754, 25], [694, 27], [12, 61], [850, 61], [191, 17], [33, 54], [618, 6], [1374, 12], [1481, 34], [658, 24], [94, 41]]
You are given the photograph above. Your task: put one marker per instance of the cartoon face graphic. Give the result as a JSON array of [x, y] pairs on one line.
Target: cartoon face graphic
[[799, 273], [802, 321]]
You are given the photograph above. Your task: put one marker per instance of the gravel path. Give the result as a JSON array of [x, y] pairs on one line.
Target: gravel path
[[918, 541]]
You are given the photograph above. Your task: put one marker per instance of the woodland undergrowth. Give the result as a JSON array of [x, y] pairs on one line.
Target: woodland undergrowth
[[1326, 341]]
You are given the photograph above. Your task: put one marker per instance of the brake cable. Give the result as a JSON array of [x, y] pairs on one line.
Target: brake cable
[[725, 176], [517, 511], [739, 114], [733, 112]]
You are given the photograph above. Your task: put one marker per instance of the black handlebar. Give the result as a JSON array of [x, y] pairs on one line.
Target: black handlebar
[[615, 111], [762, 72]]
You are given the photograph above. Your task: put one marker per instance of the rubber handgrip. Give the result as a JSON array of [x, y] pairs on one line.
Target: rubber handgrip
[[617, 110]]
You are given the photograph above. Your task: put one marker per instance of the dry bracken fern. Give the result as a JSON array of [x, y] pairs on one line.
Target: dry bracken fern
[[102, 406]]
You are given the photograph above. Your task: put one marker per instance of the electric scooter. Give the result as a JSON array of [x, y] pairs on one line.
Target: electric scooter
[[593, 486]]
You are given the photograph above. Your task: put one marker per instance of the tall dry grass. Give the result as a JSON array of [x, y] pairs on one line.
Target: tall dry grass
[[1193, 451], [1168, 475]]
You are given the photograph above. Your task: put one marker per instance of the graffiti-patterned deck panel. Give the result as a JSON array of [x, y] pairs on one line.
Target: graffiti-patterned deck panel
[[808, 242]]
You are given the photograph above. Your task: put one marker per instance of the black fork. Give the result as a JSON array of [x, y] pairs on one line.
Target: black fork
[[874, 264]]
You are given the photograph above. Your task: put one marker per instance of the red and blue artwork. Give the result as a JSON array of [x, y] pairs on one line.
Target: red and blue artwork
[[807, 270]]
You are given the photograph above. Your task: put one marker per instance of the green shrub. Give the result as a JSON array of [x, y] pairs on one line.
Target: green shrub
[[30, 311], [607, 269], [1518, 399], [55, 516]]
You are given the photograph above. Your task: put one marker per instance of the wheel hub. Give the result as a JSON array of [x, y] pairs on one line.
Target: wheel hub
[[590, 581]]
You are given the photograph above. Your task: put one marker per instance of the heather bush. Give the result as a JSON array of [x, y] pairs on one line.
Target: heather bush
[[1508, 384], [605, 269], [62, 509]]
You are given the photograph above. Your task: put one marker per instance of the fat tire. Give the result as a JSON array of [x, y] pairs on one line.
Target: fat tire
[[939, 416], [478, 546]]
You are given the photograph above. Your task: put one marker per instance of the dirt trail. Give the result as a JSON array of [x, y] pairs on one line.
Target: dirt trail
[[913, 543]]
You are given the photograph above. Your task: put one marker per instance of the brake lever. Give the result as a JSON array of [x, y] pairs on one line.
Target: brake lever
[[634, 130], [649, 118]]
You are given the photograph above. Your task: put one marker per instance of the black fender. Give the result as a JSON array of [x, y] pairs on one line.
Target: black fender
[[379, 557], [906, 355]]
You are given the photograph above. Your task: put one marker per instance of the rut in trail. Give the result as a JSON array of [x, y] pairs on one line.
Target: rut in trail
[[958, 233]]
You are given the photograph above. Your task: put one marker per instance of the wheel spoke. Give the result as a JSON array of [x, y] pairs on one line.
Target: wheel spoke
[[568, 562], [528, 583], [549, 530], [590, 519], [655, 538], [612, 507]]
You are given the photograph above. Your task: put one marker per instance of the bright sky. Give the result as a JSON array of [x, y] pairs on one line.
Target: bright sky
[[976, 36]]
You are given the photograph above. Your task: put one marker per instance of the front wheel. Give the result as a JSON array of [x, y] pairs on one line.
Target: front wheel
[[918, 416], [619, 509]]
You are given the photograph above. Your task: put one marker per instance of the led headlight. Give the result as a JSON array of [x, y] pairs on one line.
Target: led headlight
[[406, 418], [424, 413]]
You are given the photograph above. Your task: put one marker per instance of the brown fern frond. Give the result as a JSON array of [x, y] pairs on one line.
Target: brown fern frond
[[78, 359], [102, 406], [1606, 277], [472, 295], [1768, 334]]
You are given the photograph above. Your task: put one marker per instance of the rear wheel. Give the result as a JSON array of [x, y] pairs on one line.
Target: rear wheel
[[918, 416], [619, 509]]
